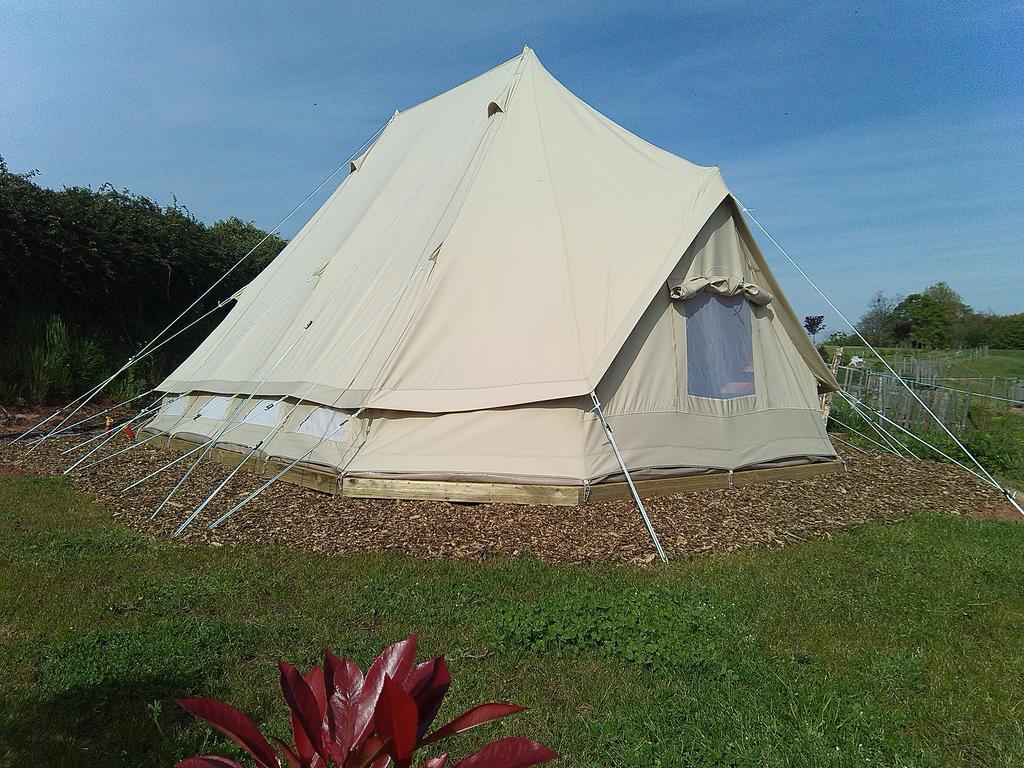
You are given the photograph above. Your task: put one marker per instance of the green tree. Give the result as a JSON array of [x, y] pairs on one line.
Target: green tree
[[113, 266], [930, 323], [876, 325]]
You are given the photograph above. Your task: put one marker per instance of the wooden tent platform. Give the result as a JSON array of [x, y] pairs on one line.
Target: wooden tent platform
[[507, 493]]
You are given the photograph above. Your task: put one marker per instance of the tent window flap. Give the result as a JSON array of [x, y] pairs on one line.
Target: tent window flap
[[325, 423], [175, 406], [719, 347], [264, 413], [215, 408]]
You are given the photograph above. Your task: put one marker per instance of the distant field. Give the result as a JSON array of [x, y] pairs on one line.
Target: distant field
[[999, 362], [1004, 362], [896, 645]]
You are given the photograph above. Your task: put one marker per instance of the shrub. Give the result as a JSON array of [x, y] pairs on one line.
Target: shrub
[[341, 718], [60, 361]]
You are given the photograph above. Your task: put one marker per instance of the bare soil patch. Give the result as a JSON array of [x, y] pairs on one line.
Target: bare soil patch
[[12, 470], [1001, 510], [877, 488]]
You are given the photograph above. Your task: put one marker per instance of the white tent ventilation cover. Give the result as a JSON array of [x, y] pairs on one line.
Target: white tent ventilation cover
[[264, 413], [175, 406], [324, 423], [215, 408]]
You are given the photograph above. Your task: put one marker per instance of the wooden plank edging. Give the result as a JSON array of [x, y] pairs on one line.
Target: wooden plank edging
[[327, 481]]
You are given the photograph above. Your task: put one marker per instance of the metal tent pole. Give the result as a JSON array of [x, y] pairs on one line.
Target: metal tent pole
[[195, 512], [169, 464], [279, 475], [629, 479], [895, 446]]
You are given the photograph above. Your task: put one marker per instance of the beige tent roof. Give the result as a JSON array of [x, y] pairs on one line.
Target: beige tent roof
[[495, 246]]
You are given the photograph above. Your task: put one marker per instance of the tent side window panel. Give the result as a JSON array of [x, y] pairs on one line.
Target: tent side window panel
[[719, 347], [324, 423], [264, 413], [215, 408], [174, 405]]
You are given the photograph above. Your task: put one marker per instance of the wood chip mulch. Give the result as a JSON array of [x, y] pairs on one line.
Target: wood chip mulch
[[877, 488]]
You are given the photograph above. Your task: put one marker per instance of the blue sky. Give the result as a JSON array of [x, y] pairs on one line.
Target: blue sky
[[884, 148]]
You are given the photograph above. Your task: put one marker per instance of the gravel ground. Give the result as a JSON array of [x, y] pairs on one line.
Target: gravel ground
[[877, 487]]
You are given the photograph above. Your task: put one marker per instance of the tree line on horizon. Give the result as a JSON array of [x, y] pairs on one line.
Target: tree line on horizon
[[89, 276], [935, 318]]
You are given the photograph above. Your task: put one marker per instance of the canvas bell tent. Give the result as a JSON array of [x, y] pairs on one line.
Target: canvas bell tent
[[499, 262]]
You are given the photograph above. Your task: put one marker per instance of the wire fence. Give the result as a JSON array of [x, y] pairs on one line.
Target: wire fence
[[928, 374]]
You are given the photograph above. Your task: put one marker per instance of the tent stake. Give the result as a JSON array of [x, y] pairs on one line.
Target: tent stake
[[168, 465], [195, 512], [629, 479]]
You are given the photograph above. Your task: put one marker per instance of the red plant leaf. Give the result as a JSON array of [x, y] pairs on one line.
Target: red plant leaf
[[395, 720], [315, 681], [305, 749], [294, 761], [428, 684], [436, 762], [511, 752], [478, 715], [420, 676], [234, 724], [303, 746], [306, 719], [207, 761], [396, 660], [372, 750], [343, 682]]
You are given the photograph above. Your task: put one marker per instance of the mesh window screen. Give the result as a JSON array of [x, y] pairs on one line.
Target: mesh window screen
[[325, 423], [215, 408], [264, 413], [175, 406], [719, 347]]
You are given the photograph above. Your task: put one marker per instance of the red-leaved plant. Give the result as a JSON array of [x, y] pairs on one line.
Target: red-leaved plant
[[339, 718]]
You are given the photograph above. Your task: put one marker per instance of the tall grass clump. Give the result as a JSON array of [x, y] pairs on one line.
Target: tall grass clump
[[45, 360]]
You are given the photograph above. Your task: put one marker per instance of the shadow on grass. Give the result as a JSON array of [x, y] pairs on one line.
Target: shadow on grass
[[106, 697], [119, 722]]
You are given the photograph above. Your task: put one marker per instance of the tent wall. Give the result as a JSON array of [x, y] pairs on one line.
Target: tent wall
[[660, 427]]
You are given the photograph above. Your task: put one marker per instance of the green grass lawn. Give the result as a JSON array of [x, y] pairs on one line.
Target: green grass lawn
[[899, 645], [999, 363]]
